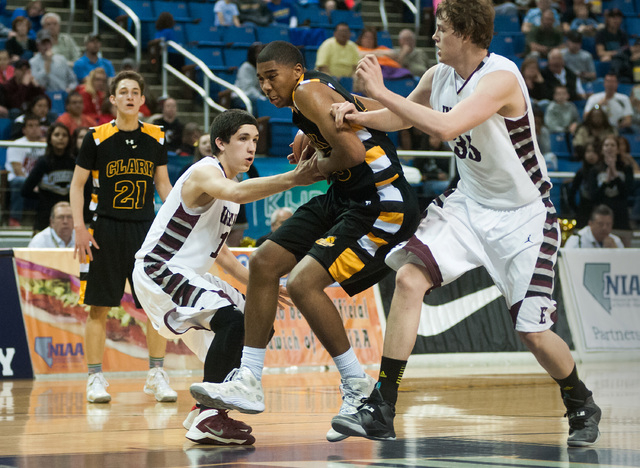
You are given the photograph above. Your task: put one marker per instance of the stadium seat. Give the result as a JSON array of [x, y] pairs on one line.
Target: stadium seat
[[402, 87], [204, 11], [270, 34], [179, 31], [309, 53], [632, 25], [244, 35], [566, 165], [107, 7], [506, 24], [266, 109], [560, 145], [179, 10], [143, 9], [384, 39], [602, 68], [234, 55], [347, 82], [352, 18], [312, 14], [627, 7], [634, 143], [58, 99], [5, 131], [503, 45], [211, 56], [204, 33]]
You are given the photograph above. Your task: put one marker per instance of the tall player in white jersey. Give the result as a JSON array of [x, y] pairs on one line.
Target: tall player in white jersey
[[500, 215], [187, 236]]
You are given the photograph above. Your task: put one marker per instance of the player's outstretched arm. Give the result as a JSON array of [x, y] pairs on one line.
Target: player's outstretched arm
[[162, 182], [209, 182]]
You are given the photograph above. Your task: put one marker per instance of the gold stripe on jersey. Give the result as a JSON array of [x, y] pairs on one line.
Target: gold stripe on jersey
[[345, 266], [104, 131], [387, 181], [378, 241], [391, 218], [154, 131]]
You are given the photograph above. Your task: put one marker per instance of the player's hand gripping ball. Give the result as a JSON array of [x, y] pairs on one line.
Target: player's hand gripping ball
[[301, 148]]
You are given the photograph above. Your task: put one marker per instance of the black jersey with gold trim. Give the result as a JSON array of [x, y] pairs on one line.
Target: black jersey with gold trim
[[123, 165], [381, 165]]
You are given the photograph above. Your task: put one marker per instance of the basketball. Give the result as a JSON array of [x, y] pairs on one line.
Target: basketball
[[300, 142]]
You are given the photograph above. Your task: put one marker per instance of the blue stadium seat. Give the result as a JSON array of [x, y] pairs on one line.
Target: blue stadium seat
[[243, 35], [307, 36], [5, 131], [58, 99], [632, 25], [270, 34], [266, 109], [503, 45], [634, 143], [204, 33], [352, 18], [143, 9], [179, 31], [506, 24], [627, 7], [402, 87], [321, 20], [309, 53], [204, 11], [560, 146], [566, 165], [602, 68], [234, 55], [347, 82], [310, 13], [211, 56], [179, 10], [282, 134], [108, 8], [589, 44], [384, 39]]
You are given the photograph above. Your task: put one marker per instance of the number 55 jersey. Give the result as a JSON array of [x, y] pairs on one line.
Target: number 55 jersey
[[499, 162], [123, 166]]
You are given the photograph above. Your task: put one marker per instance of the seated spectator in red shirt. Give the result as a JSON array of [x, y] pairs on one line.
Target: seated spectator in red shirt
[[94, 92], [22, 88], [6, 69], [74, 117]]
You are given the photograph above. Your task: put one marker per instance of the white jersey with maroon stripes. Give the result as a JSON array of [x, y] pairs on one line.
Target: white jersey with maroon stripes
[[185, 237], [499, 162]]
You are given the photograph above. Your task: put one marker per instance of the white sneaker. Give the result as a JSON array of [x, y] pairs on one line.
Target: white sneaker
[[354, 392], [158, 385], [240, 391], [96, 392]]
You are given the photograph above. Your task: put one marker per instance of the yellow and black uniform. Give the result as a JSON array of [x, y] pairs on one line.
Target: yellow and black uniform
[[123, 166], [367, 210]]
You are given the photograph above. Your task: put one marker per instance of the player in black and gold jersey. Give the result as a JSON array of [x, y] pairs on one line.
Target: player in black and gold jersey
[[342, 236], [127, 161]]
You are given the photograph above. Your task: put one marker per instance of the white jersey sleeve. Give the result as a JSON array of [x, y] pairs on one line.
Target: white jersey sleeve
[[499, 162]]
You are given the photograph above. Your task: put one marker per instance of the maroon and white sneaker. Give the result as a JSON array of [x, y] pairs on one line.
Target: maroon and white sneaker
[[195, 411], [215, 427]]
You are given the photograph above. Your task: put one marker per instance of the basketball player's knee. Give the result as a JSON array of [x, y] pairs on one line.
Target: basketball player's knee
[[295, 286], [99, 313], [532, 340], [409, 280], [227, 318], [263, 264]]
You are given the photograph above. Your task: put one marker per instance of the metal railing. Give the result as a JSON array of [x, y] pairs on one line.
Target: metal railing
[[413, 8], [134, 41], [72, 14], [203, 90]]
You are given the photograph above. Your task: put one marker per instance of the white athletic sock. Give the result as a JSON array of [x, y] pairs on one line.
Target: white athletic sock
[[253, 358], [348, 365]]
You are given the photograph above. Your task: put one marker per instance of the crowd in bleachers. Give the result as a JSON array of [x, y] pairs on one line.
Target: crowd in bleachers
[[579, 60]]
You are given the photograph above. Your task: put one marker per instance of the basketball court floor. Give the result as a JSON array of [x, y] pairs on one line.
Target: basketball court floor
[[447, 417]]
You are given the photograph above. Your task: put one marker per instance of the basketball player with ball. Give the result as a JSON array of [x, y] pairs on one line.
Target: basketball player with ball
[[342, 236]]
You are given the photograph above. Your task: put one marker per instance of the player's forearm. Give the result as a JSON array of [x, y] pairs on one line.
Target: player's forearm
[[258, 188]]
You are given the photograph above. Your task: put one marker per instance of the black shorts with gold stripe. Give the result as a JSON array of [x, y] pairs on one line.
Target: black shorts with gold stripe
[[349, 238], [102, 281]]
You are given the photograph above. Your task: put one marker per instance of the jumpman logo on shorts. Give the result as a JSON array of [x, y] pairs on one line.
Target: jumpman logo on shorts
[[528, 239]]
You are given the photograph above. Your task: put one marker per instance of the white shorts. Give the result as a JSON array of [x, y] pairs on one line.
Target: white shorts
[[187, 311], [517, 247]]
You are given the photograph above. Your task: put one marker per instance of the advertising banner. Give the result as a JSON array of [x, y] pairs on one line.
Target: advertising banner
[[605, 296], [48, 286]]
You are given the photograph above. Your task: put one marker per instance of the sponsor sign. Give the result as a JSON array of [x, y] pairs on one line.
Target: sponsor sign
[[605, 293]]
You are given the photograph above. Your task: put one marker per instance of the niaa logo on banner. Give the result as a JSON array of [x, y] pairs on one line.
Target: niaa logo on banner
[[609, 289]]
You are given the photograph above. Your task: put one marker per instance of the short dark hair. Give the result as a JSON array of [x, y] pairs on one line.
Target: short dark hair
[[71, 95], [469, 18], [126, 75], [226, 124], [602, 210], [281, 52], [30, 116], [574, 36]]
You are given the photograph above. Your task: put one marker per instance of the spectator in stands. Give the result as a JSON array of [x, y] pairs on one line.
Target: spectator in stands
[[63, 43], [33, 12], [635, 105], [49, 69], [626, 63], [556, 73], [338, 55], [597, 234], [505, 8], [530, 70], [545, 37], [409, 56], [91, 59], [279, 216], [367, 43], [60, 232], [254, 13], [171, 124], [6, 69], [203, 148], [246, 78], [107, 112], [94, 92], [595, 126], [583, 23], [284, 13], [569, 13], [50, 178], [616, 105], [40, 106], [583, 190], [77, 136], [615, 182], [164, 32], [534, 16], [191, 133], [578, 60], [561, 114], [74, 117], [627, 159], [544, 139], [226, 13], [22, 88], [21, 46], [20, 161], [611, 39]]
